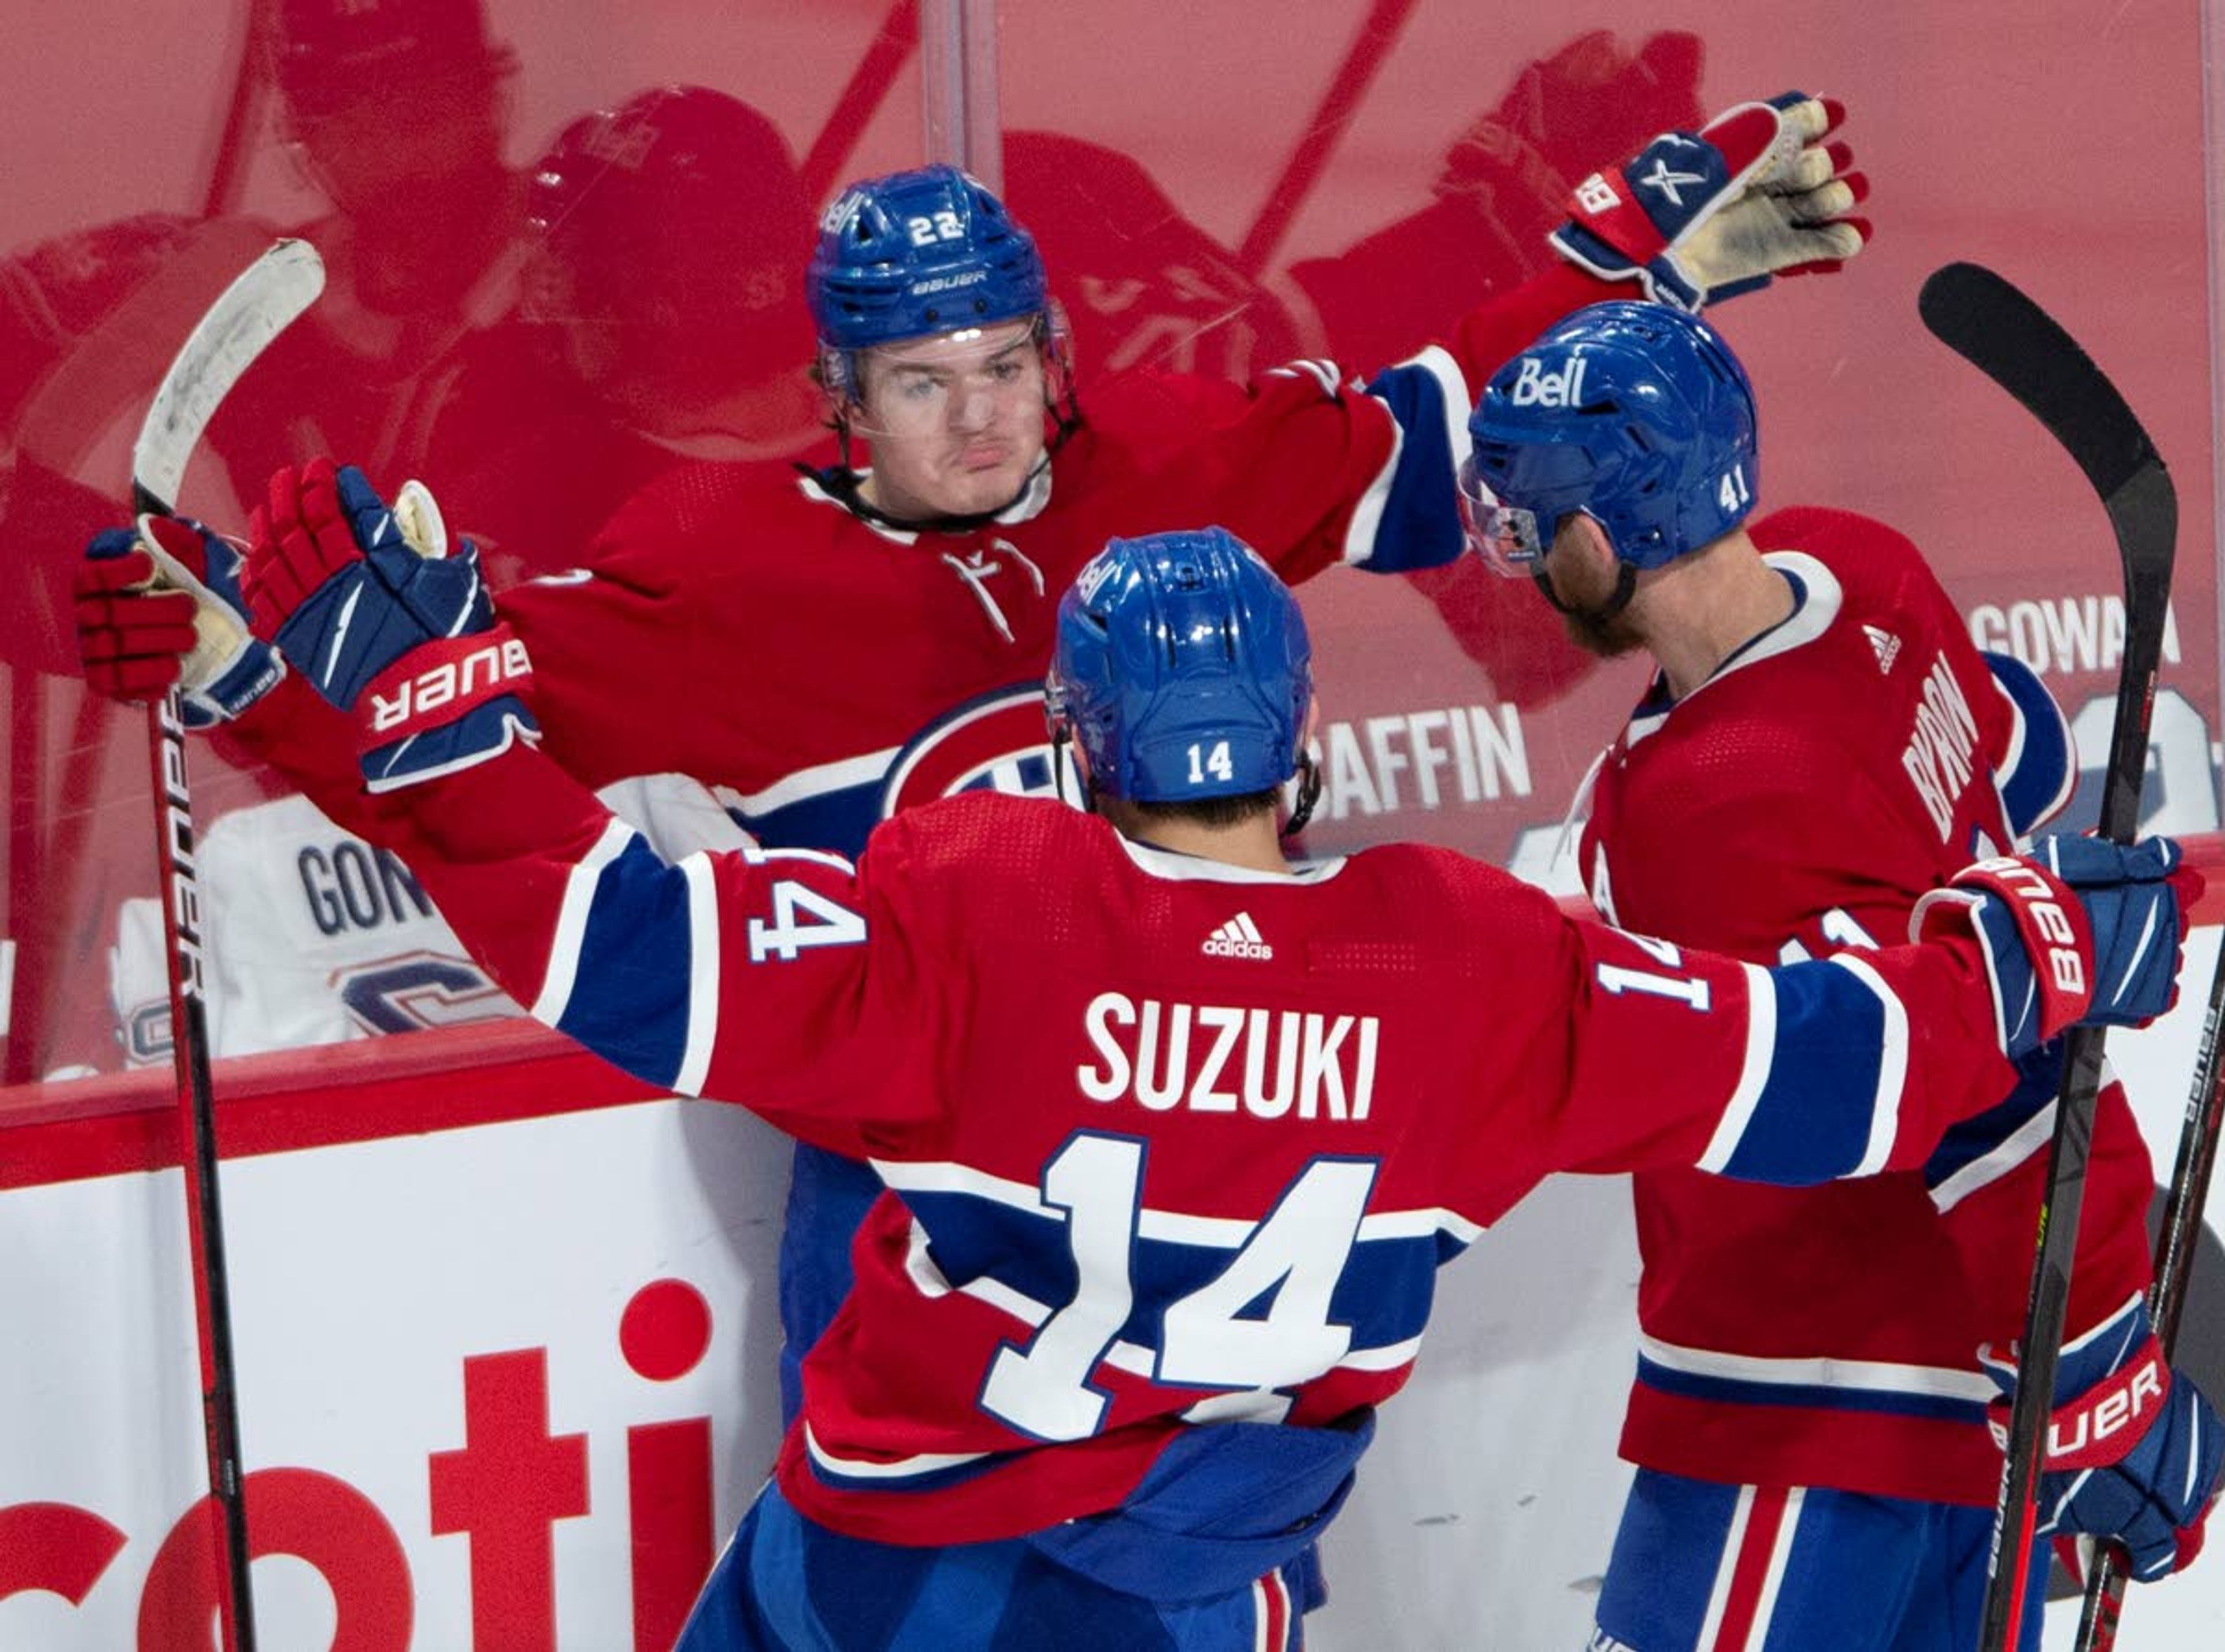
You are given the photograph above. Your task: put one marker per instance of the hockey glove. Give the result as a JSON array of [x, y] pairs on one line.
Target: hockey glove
[[364, 600], [162, 606], [2133, 1449], [2088, 931], [1696, 218]]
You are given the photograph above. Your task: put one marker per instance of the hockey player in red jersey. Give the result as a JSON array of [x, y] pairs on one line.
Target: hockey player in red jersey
[[663, 296], [1820, 749], [941, 348], [1174, 1134]]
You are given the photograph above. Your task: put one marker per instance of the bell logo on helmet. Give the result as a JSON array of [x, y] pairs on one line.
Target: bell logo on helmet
[[1663, 457], [1534, 387]]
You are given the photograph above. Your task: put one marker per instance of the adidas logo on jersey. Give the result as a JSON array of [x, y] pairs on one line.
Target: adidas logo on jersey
[[1237, 937], [1887, 646]]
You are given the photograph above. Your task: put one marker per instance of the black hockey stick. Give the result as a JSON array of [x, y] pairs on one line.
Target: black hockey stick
[[2181, 1230], [273, 290], [2017, 346]]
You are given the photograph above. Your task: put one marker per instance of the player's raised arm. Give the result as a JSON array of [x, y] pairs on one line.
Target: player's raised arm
[[1857, 1063], [1798, 1075], [1693, 217]]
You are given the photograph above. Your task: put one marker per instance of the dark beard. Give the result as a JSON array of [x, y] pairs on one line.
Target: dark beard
[[1609, 636]]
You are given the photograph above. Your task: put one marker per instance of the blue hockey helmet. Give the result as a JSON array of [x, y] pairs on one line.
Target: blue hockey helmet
[[1182, 668], [916, 253], [1637, 415]]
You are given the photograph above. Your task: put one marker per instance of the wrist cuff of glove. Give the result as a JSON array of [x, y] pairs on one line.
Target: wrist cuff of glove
[[1661, 277], [2097, 1428], [440, 682], [2036, 943], [253, 671], [481, 734]]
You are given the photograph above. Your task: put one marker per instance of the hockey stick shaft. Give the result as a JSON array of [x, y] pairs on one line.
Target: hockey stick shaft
[[2016, 344], [189, 1046], [2181, 1230], [224, 344], [228, 164], [1379, 31], [892, 46]]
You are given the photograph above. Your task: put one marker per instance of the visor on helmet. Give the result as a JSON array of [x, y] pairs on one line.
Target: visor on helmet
[[1508, 537]]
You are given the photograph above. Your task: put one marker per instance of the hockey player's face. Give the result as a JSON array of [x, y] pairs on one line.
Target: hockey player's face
[[956, 421]]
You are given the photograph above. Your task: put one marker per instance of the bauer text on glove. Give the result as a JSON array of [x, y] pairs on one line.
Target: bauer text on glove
[[2133, 1448], [2086, 932]]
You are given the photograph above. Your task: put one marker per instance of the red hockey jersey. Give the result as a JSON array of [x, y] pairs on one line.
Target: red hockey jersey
[[1164, 1141], [793, 650], [1799, 803]]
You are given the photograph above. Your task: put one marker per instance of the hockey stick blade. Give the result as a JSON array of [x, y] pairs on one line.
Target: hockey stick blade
[[261, 302], [2016, 344], [2009, 339], [1997, 329]]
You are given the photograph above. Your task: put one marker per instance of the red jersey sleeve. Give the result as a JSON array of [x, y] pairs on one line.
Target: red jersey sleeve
[[1631, 1054], [786, 981]]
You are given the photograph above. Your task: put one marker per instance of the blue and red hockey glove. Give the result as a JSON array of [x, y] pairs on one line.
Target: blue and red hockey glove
[[2086, 932], [160, 605], [364, 601], [1695, 217], [2133, 1449]]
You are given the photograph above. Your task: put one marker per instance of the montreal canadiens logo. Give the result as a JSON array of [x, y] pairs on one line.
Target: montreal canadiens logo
[[995, 742]]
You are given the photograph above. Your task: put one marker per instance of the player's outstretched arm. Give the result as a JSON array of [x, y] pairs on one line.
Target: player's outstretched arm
[[1759, 191], [1860, 1062], [781, 980], [1695, 217]]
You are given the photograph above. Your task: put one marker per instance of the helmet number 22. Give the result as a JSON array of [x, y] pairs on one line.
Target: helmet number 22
[[926, 230]]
